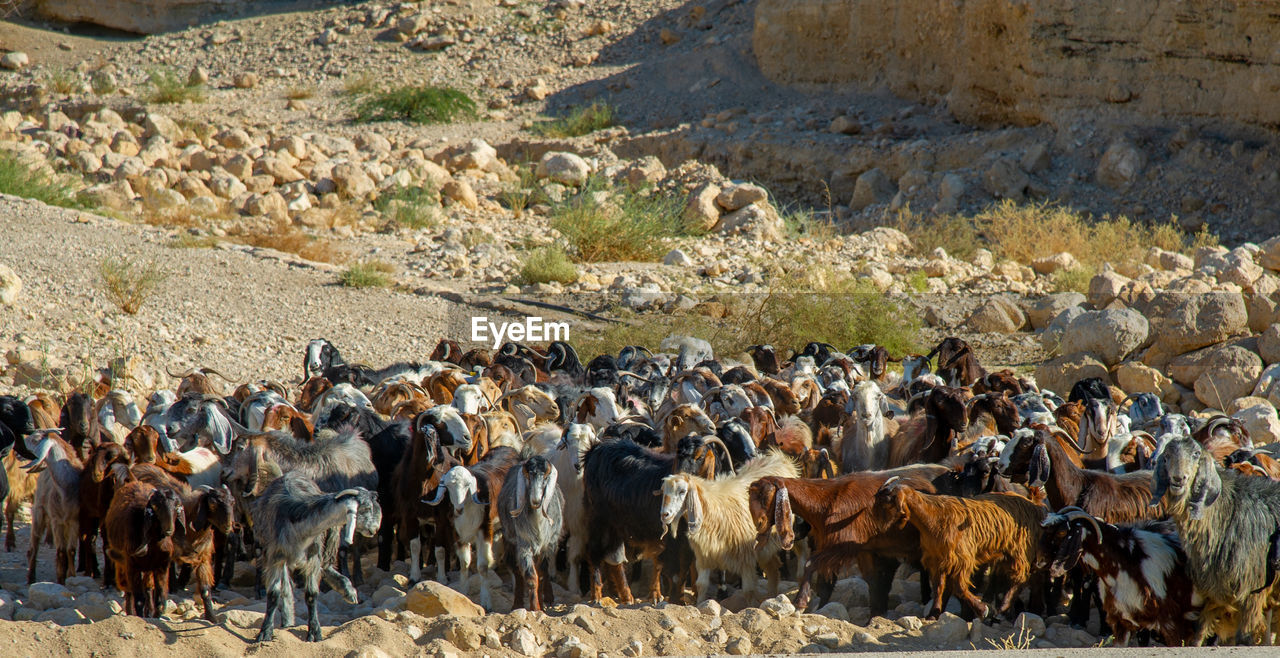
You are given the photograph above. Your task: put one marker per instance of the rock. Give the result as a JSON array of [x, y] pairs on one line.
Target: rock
[[1110, 334], [741, 195], [463, 635], [279, 170], [461, 193], [996, 315], [950, 190], [14, 61], [523, 642], [1105, 286], [1004, 180], [429, 599], [873, 186], [1269, 254], [778, 606], [1120, 165], [246, 80], [270, 205], [198, 75], [1268, 341], [8, 605], [10, 286], [242, 618], [1030, 624], [45, 596], [235, 138], [1137, 377], [1062, 373], [678, 258], [1035, 159], [1060, 261], [834, 610], [1261, 421], [537, 90], [829, 640], [62, 617], [1196, 321], [948, 630], [1270, 375], [738, 646], [710, 608], [761, 223], [910, 622], [159, 124], [564, 168], [1229, 373], [1043, 310], [646, 171], [668, 36], [701, 211], [845, 125], [352, 181], [572, 647]]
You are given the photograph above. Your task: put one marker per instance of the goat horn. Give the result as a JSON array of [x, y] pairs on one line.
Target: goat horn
[[211, 370], [1055, 431], [1081, 514], [715, 440], [890, 481], [438, 497], [346, 492], [179, 375], [632, 374]]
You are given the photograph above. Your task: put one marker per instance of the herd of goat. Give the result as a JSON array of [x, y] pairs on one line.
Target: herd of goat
[[701, 472]]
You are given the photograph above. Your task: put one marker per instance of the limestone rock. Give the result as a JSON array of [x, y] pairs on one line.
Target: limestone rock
[[754, 220], [564, 168], [1269, 344], [460, 192], [1004, 180], [873, 186], [352, 181], [740, 195], [1261, 421], [1104, 287], [14, 61], [1043, 310], [46, 596], [1137, 377], [1060, 374], [1110, 334], [524, 642], [1230, 373], [996, 315], [701, 211], [429, 599], [1199, 320], [10, 286], [1121, 165], [1062, 260], [139, 16]]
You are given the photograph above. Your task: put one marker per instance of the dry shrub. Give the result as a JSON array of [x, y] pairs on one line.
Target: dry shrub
[[291, 240], [128, 282], [1026, 232]]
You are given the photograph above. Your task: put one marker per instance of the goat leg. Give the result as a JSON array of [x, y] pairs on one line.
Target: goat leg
[[386, 541], [313, 611], [618, 580], [517, 599], [547, 596], [597, 587], [208, 604], [269, 620]]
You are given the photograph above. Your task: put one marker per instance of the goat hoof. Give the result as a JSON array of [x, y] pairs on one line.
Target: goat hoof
[[314, 636], [265, 636]]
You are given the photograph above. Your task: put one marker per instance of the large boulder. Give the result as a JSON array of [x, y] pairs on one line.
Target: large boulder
[[1109, 334], [1261, 422], [1136, 377], [1194, 321], [140, 16], [1042, 311], [996, 315], [1229, 373], [1060, 374]]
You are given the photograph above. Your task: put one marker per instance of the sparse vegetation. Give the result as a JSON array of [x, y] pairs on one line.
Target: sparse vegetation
[[918, 281], [627, 225], [579, 121], [128, 283], [64, 81], [1075, 279], [805, 223], [520, 195], [286, 238], [367, 274], [548, 264], [1026, 232], [19, 179], [191, 241], [415, 207], [802, 307], [423, 105], [359, 84], [300, 92], [167, 86]]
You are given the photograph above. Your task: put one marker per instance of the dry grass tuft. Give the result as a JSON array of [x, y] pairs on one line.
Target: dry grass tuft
[[367, 274], [288, 239], [128, 282], [628, 226], [548, 264], [1024, 233]]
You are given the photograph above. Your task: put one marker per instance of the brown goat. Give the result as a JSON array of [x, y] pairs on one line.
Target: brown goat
[[423, 464], [144, 527], [958, 535], [285, 417], [45, 411], [684, 420], [386, 398], [143, 444], [96, 491], [79, 424], [1005, 381], [929, 436], [22, 489], [479, 430], [210, 517], [837, 513], [311, 391], [785, 401], [440, 386], [792, 436]]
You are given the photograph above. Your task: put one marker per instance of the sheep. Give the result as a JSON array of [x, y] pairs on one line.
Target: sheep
[[530, 509], [143, 527], [56, 509], [957, 535], [297, 526], [720, 531], [471, 490], [1226, 522], [865, 448], [1141, 571]]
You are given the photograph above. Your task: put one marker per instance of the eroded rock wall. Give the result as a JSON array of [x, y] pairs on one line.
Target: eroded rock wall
[[1022, 61], [140, 16]]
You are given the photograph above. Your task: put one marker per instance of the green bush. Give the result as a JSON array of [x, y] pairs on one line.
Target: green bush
[[367, 274], [128, 282], [18, 179], [548, 264], [424, 105], [169, 87], [579, 121], [414, 207], [627, 225]]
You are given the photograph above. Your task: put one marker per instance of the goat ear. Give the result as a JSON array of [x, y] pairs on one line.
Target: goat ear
[[1038, 468], [693, 509], [143, 533], [1160, 473], [521, 500], [1205, 489], [1069, 552], [202, 511]]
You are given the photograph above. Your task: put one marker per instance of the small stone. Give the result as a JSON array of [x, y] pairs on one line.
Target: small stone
[[873, 186], [701, 211], [835, 610], [246, 80], [572, 647], [710, 608], [845, 125], [778, 606], [668, 37], [10, 285], [564, 168], [45, 596], [678, 258], [738, 646], [199, 75], [1120, 165], [14, 61], [429, 599], [461, 193], [741, 195], [910, 623]]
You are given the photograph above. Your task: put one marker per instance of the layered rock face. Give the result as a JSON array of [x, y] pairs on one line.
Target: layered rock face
[[1021, 62], [141, 16]]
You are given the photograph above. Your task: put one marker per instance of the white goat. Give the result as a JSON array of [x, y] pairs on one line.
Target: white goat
[[866, 448], [576, 440], [469, 523], [721, 532]]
